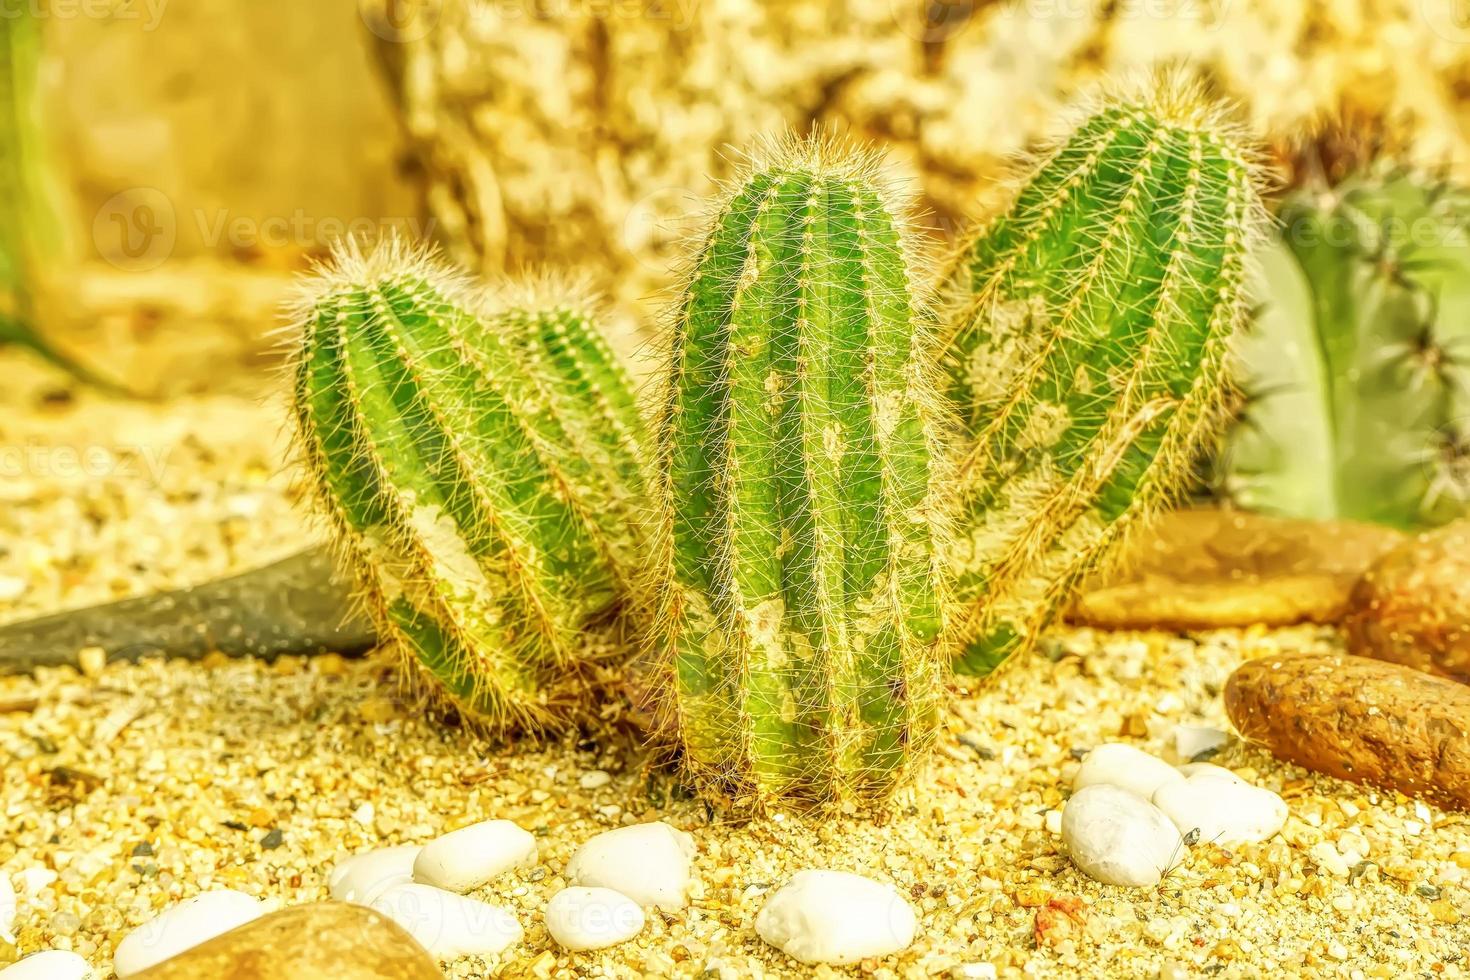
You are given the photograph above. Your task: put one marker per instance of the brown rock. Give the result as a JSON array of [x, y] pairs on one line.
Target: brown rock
[[1205, 569], [1413, 605], [1359, 719], [325, 941]]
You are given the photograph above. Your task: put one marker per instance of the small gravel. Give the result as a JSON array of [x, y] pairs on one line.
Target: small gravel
[[213, 748]]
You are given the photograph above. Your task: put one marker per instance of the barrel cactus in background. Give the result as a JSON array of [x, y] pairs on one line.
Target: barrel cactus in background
[[1357, 394], [480, 467], [799, 590], [1087, 351]]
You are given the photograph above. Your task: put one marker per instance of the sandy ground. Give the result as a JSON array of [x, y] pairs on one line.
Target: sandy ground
[[141, 785]]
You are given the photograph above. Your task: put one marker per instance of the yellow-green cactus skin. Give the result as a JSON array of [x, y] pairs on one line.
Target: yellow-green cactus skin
[[800, 592], [1086, 351], [480, 464]]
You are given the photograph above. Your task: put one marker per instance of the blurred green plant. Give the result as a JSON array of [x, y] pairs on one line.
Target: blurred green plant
[[30, 232], [1356, 395]]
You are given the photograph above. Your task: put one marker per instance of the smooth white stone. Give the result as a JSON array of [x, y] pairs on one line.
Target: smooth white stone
[[595, 779], [592, 918], [1191, 740], [972, 971], [53, 964], [7, 908], [449, 925], [1123, 766], [463, 860], [363, 877], [1118, 837], [37, 879], [182, 927], [837, 918], [648, 862], [1225, 812], [1193, 769]]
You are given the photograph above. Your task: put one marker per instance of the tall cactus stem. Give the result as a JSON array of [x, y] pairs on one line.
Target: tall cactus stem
[[801, 459], [1089, 329]]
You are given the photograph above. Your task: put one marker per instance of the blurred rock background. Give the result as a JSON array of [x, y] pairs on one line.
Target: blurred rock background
[[211, 147], [208, 148]]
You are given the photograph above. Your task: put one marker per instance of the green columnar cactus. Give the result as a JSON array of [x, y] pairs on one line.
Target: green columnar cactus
[[1086, 352], [800, 592], [480, 467], [1355, 372]]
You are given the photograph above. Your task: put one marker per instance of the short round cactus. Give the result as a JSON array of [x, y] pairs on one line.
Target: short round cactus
[[800, 594], [480, 465]]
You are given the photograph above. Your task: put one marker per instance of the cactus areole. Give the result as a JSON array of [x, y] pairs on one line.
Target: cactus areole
[[1086, 352], [479, 467], [800, 593]]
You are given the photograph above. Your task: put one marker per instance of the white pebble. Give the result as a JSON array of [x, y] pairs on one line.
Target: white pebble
[[592, 918], [53, 964], [463, 860], [37, 879], [12, 588], [1125, 767], [648, 862], [595, 779], [972, 971], [1193, 769], [1191, 740], [363, 877], [837, 918], [7, 908], [182, 927], [1118, 837], [449, 925], [1225, 812], [1328, 858]]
